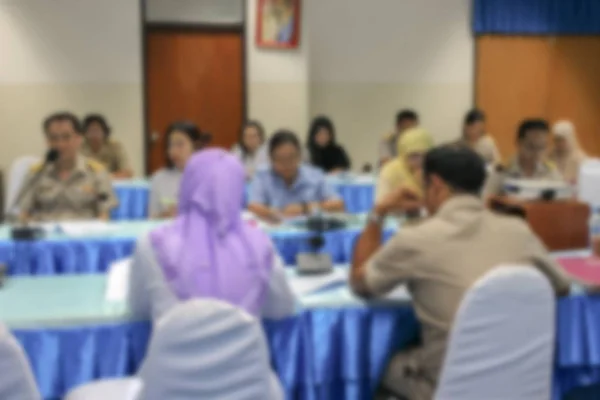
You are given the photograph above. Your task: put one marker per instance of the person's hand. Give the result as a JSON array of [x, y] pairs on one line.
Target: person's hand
[[293, 210], [401, 199]]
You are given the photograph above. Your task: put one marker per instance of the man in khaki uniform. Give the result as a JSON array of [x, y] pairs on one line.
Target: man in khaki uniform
[[71, 188], [440, 259], [530, 161], [388, 146], [101, 148]]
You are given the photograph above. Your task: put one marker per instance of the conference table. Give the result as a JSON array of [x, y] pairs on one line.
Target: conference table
[[357, 191], [71, 248], [334, 347]]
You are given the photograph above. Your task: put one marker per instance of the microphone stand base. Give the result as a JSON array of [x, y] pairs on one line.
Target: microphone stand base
[[314, 263], [26, 233]]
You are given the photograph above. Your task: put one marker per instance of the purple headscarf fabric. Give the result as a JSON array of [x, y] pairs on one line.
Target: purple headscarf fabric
[[208, 250]]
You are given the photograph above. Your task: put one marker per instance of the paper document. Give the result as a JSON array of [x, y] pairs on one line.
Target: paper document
[[303, 285], [117, 280], [85, 228]]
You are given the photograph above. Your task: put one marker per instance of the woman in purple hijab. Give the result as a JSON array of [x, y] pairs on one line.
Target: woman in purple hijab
[[208, 250]]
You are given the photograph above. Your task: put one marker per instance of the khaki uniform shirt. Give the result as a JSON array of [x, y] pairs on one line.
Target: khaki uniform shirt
[[86, 194], [111, 155], [495, 182], [441, 258], [388, 146]]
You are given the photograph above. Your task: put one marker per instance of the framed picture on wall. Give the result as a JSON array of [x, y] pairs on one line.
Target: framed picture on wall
[[278, 24]]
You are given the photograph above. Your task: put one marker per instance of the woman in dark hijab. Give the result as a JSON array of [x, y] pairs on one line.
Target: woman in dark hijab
[[323, 150]]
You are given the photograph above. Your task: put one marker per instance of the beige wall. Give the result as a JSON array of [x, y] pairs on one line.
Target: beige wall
[[78, 55], [370, 58], [359, 62]]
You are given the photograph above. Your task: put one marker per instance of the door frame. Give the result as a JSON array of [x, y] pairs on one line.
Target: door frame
[[147, 27]]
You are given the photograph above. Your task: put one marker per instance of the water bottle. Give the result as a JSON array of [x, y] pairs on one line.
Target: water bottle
[[594, 228]]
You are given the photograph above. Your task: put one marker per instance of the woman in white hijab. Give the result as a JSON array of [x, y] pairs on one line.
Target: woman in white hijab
[[567, 153]]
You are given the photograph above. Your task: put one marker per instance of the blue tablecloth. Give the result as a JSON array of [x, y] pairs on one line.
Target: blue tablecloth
[[358, 195], [59, 254], [319, 354], [329, 353]]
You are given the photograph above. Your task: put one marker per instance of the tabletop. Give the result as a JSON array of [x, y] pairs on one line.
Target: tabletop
[[78, 300]]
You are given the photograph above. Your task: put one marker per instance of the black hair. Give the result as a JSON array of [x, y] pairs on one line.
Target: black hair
[[316, 125], [406, 115], [473, 116], [62, 116], [98, 119], [190, 129], [281, 137], [530, 125], [458, 166], [251, 124]]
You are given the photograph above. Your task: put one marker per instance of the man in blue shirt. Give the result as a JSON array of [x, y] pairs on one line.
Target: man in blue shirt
[[287, 188]]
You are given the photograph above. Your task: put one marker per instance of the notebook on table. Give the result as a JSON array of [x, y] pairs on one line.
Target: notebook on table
[[586, 269]]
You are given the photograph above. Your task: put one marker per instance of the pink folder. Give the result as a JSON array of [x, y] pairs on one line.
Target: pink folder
[[585, 268]]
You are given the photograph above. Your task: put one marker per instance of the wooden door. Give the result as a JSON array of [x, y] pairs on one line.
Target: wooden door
[[196, 75], [548, 77], [512, 83], [575, 87]]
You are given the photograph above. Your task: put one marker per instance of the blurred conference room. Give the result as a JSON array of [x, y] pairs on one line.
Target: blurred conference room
[[299, 199]]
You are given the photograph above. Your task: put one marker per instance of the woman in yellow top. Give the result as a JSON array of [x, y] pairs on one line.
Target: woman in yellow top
[[405, 169]]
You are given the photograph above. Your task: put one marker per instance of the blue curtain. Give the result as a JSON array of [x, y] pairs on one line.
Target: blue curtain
[[537, 17]]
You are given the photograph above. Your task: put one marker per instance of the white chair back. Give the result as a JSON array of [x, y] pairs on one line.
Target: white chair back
[[589, 182], [16, 378], [501, 345], [207, 349], [16, 178]]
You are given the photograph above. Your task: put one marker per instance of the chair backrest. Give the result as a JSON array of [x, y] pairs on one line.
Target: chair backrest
[[16, 177], [207, 349], [16, 378], [588, 183], [501, 345]]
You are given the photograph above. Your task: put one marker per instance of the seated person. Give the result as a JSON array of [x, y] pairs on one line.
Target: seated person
[[475, 136], [208, 250], [405, 119], [251, 149], [441, 258], [288, 188], [73, 187], [530, 161], [323, 150], [566, 152], [182, 139], [406, 168], [101, 148]]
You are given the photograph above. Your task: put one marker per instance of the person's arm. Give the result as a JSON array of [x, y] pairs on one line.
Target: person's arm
[[258, 202], [542, 260], [123, 168], [280, 301], [330, 201], [106, 200], [369, 252], [26, 204], [149, 295], [345, 162]]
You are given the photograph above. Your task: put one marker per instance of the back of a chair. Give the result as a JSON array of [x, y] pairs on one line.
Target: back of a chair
[[207, 349], [16, 178], [16, 378], [501, 345]]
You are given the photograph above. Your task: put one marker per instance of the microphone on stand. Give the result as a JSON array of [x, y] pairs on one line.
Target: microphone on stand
[[26, 232]]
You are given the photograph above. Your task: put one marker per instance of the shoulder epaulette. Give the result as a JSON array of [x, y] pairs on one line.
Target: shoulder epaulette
[[36, 167], [95, 165]]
